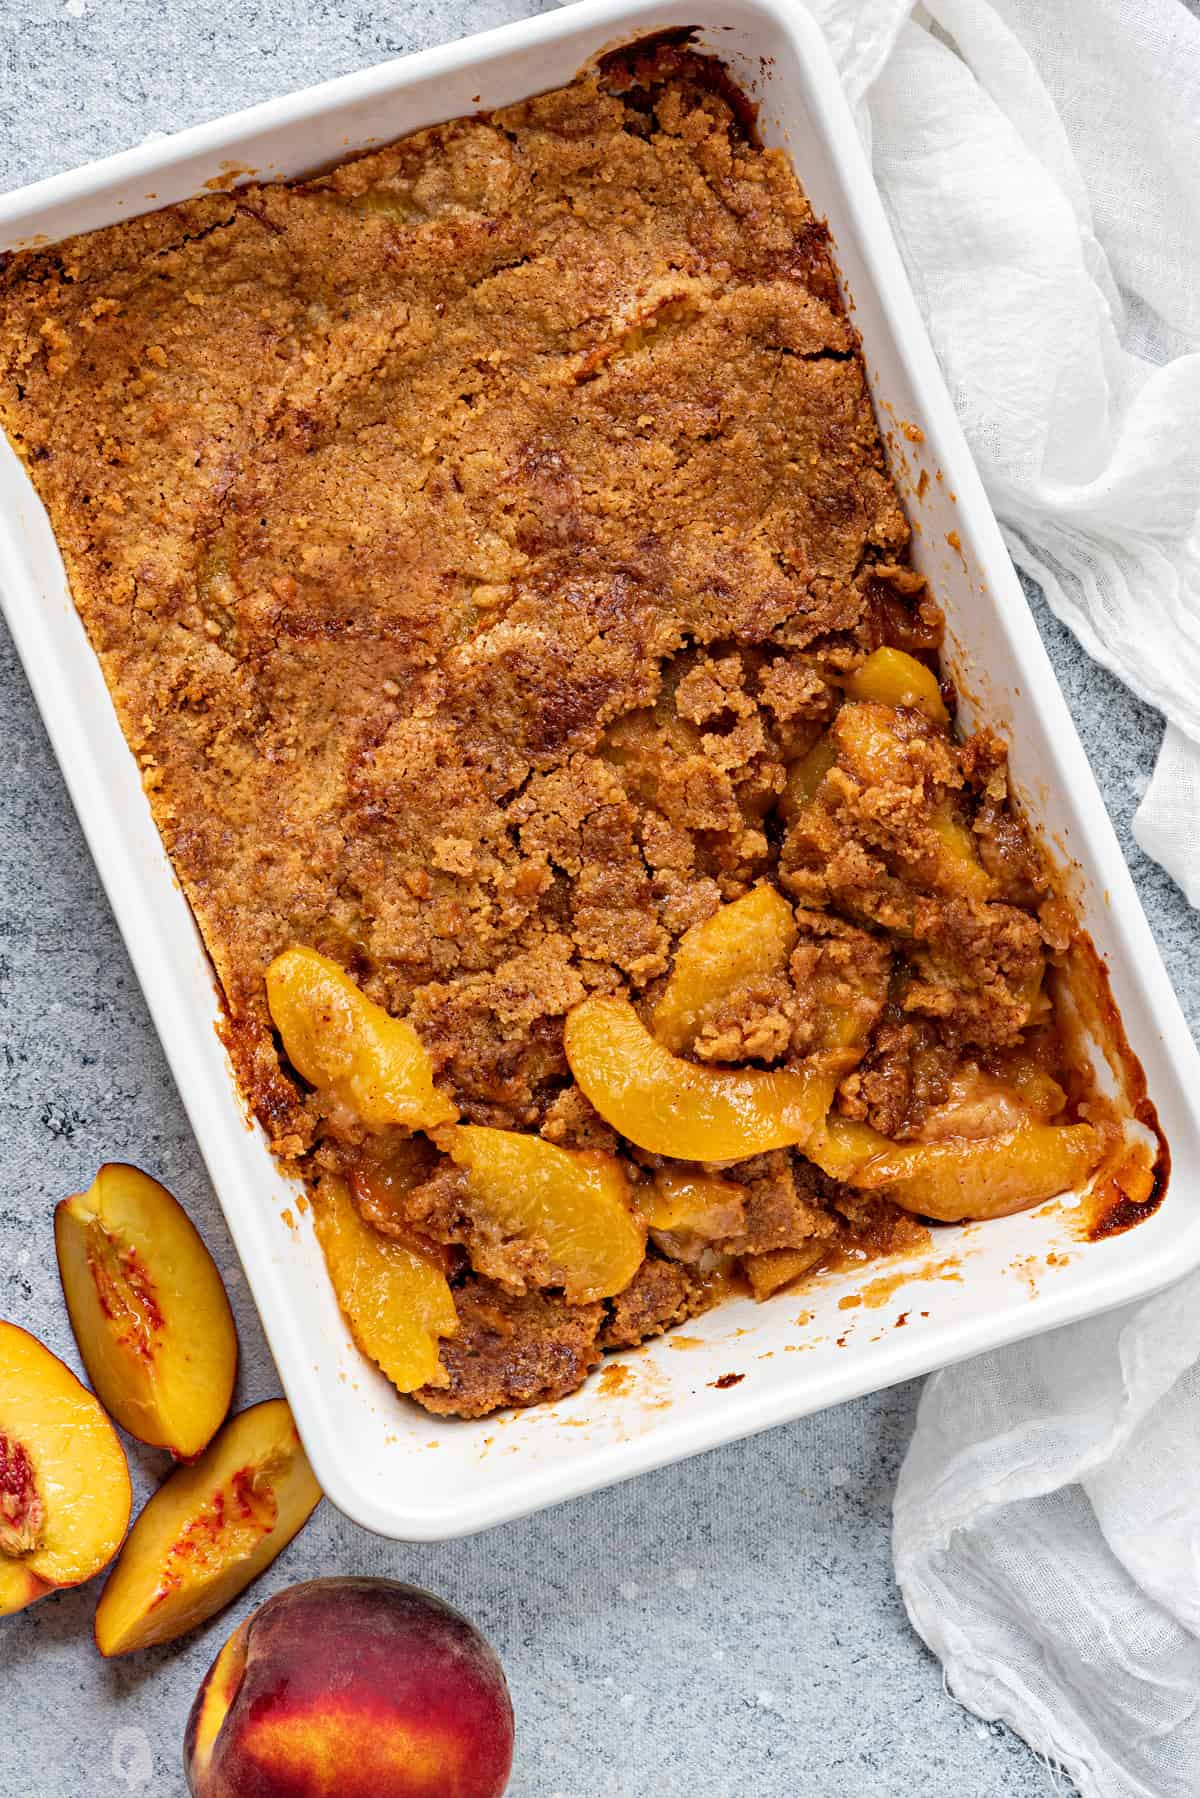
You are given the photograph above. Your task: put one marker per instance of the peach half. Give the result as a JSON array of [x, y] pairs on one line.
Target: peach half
[[64, 1480], [208, 1531], [352, 1688], [148, 1310], [349, 1047], [674, 1107]]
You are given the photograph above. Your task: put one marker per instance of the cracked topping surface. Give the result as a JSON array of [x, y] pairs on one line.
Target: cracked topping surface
[[386, 499], [472, 539]]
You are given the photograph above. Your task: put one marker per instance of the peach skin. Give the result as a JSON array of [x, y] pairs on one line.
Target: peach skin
[[64, 1480], [352, 1688], [208, 1531], [148, 1310]]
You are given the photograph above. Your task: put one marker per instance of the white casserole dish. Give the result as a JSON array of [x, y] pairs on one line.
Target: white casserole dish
[[383, 1461]]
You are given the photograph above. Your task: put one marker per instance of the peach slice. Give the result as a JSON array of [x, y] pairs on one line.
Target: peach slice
[[346, 1045], [395, 1299], [751, 936], [65, 1494], [804, 778], [673, 1107], [208, 1531], [148, 1310], [774, 1269], [691, 1200], [575, 1201], [893, 677], [959, 869], [988, 1176], [844, 1146], [688, 1210]]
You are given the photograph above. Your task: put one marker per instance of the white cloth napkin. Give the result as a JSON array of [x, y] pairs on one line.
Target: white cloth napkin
[[1040, 160]]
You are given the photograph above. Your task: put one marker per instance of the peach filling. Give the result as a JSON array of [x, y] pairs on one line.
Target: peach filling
[[579, 1207], [674, 1107], [345, 1045]]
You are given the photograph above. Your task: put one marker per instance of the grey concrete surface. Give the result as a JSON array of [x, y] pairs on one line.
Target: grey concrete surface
[[727, 1629]]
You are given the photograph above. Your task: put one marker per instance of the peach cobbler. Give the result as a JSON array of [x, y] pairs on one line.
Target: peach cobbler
[[491, 552]]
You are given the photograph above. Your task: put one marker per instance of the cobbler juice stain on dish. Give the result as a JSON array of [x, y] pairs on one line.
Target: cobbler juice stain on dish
[[1130, 1194], [492, 555]]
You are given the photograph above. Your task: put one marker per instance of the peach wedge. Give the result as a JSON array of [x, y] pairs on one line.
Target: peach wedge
[[208, 1531], [774, 1269], [893, 677], [744, 940], [148, 1310], [688, 1199], [844, 1146], [64, 1481], [395, 1299], [674, 1107], [349, 1047], [988, 1176], [577, 1202]]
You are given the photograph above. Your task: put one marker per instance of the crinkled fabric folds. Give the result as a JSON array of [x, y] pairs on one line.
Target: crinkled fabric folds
[[1040, 161]]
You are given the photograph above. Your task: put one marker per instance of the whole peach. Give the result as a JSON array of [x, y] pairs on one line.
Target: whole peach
[[352, 1688]]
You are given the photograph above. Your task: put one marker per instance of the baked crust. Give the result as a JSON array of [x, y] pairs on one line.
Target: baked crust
[[471, 539]]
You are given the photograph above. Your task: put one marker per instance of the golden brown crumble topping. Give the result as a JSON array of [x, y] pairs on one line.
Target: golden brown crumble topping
[[477, 540]]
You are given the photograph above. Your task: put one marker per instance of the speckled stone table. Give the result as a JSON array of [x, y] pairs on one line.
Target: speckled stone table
[[724, 1629]]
